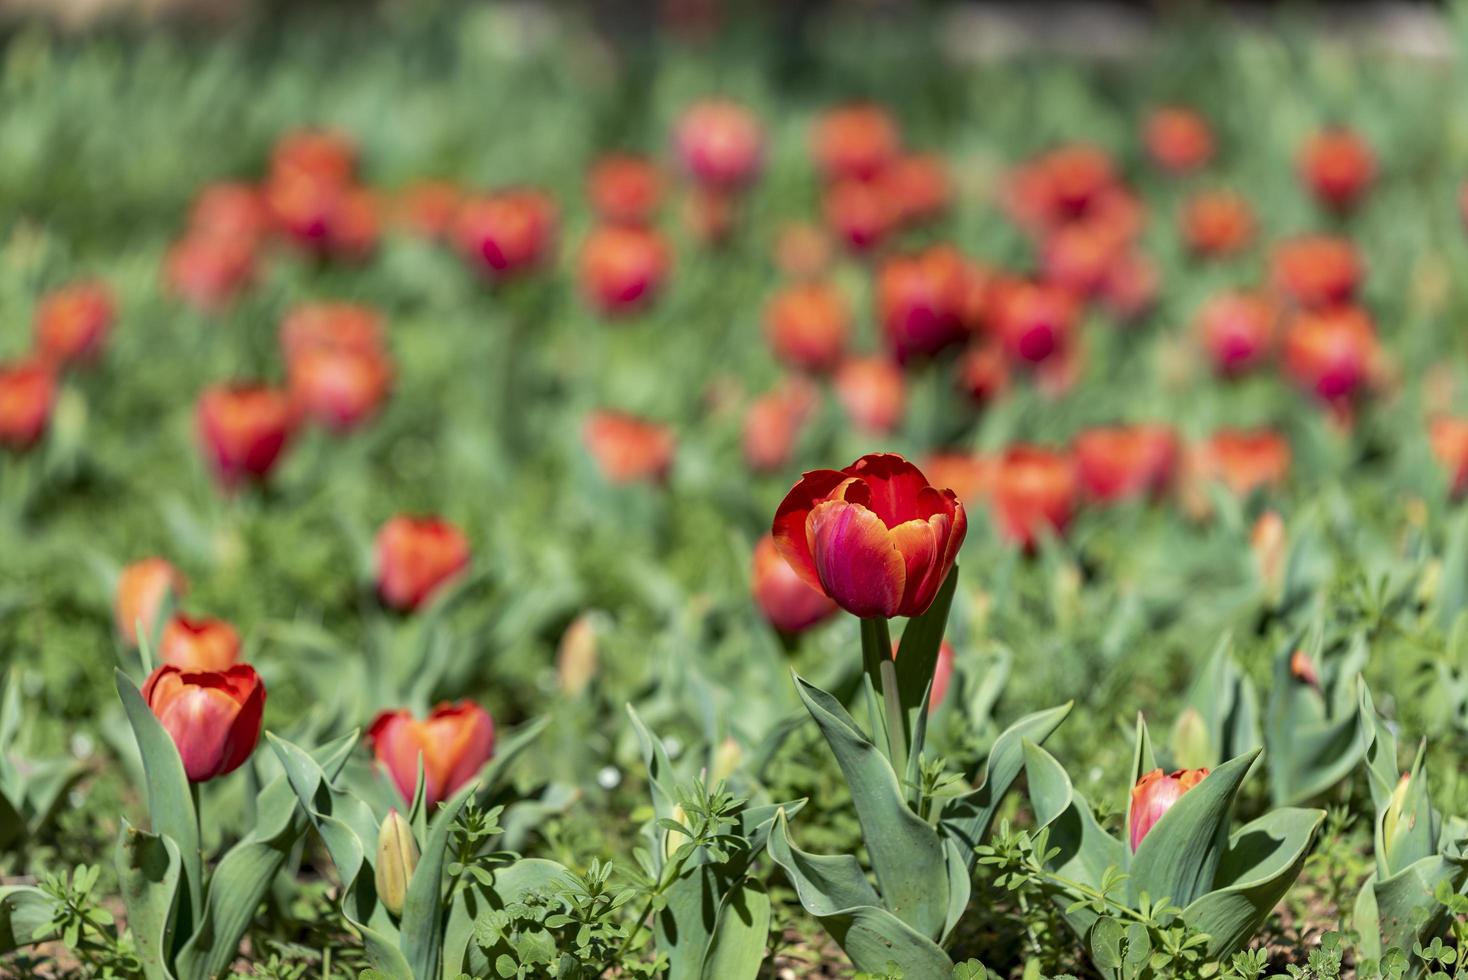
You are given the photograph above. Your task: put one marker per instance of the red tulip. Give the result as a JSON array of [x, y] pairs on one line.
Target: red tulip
[[243, 429], [1217, 223], [1317, 271], [27, 393], [1077, 257], [213, 716], [788, 602], [970, 476], [1035, 321], [339, 389], [1332, 353], [72, 323], [234, 211], [507, 233], [623, 268], [1154, 795], [1449, 439], [1178, 139], [319, 153], [1237, 330], [1035, 490], [311, 174], [802, 251], [624, 189], [454, 742], [1126, 462], [142, 589], [859, 213], [720, 143], [429, 208], [983, 373], [875, 537], [199, 644], [356, 224], [628, 449], [872, 392], [208, 271], [920, 299], [1245, 460], [918, 187], [855, 142], [1068, 183], [416, 557], [1338, 166], [773, 424], [807, 325], [333, 326]]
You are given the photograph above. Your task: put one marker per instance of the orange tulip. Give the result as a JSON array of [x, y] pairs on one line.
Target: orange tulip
[[27, 393], [142, 589], [1126, 462], [1178, 139], [208, 271], [454, 742], [1338, 166], [918, 186], [807, 326], [1155, 794], [233, 211], [416, 557], [624, 189], [1217, 223], [1245, 460], [213, 716], [72, 323], [623, 268], [787, 601], [1448, 437], [1317, 270], [855, 142], [872, 392], [199, 644], [1035, 490], [773, 424], [339, 388], [334, 326], [628, 449], [970, 476]]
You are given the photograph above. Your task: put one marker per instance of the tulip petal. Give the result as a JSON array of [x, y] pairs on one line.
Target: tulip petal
[[856, 559], [199, 719], [896, 487], [789, 528], [921, 544]]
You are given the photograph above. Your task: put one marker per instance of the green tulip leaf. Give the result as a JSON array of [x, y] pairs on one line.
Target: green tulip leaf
[[917, 653], [511, 884], [1403, 909], [960, 885], [25, 916], [1452, 586], [1050, 789], [1085, 851], [148, 873], [1144, 760], [737, 948], [423, 911]]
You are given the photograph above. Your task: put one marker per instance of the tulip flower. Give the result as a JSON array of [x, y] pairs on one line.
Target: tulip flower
[[855, 142], [397, 859], [720, 143], [622, 268], [321, 153], [577, 655], [802, 250], [1035, 321], [331, 326], [72, 323], [920, 302], [872, 392], [788, 602], [1269, 540], [875, 536], [983, 373], [1338, 166], [624, 189], [1245, 460], [1317, 270], [628, 449], [208, 271], [773, 424], [859, 213], [416, 557], [1078, 256], [1449, 440], [428, 208], [807, 325], [213, 716], [969, 475], [1178, 139], [341, 389], [454, 742], [1034, 490], [507, 233], [1126, 462], [1217, 224], [199, 644], [1063, 185], [27, 394], [243, 429], [1131, 285], [1302, 669], [231, 211], [1237, 330], [142, 589], [1155, 794], [309, 191], [1332, 353], [918, 187]]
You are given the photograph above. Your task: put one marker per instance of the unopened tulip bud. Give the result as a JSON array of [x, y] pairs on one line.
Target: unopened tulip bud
[[726, 760], [1302, 669], [1392, 821], [1269, 543], [397, 857], [577, 655], [675, 838], [1191, 746], [1155, 794]]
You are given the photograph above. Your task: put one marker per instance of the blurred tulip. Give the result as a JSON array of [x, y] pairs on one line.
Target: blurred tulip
[[773, 423], [199, 644], [1155, 794], [1245, 460], [1077, 257], [1448, 437], [142, 589], [710, 215], [788, 602], [27, 394], [807, 325], [918, 187], [454, 742], [1332, 353], [1035, 321], [1034, 491], [1178, 139], [872, 393], [397, 859], [624, 189], [208, 271], [969, 475], [1216, 224], [229, 210], [319, 153], [802, 251], [242, 430], [429, 208], [855, 142], [983, 373], [507, 233], [1237, 330], [416, 557], [356, 224], [858, 213], [628, 449], [1131, 285], [1317, 270], [577, 655], [1338, 166], [72, 323], [1061, 186], [622, 268], [720, 143], [1269, 543], [1302, 669], [341, 389], [1126, 462], [213, 717], [312, 196], [920, 302], [332, 326], [875, 536]]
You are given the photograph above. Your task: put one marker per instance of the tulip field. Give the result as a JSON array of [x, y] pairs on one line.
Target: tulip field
[[488, 493]]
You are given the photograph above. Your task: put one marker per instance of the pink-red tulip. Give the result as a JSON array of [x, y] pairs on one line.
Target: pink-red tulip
[[1155, 794], [330, 325], [416, 557], [920, 302], [773, 423], [1333, 353], [1237, 330], [1126, 462], [72, 323], [807, 325], [624, 189], [855, 142], [1035, 321], [1317, 271], [875, 536], [199, 644], [507, 233], [1178, 139], [628, 449], [918, 186], [720, 143], [213, 716], [242, 430], [788, 602], [1338, 166], [230, 210], [872, 393], [341, 389], [1035, 491], [623, 268], [454, 742], [27, 394], [860, 213], [142, 589], [207, 270], [983, 373]]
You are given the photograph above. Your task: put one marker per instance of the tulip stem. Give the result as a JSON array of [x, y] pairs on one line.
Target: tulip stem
[[876, 651], [896, 732]]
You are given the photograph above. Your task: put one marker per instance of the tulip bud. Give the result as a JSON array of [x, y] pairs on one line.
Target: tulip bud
[[397, 858], [773, 423], [1448, 437], [1125, 462], [789, 603], [1392, 821], [1217, 224], [855, 142], [806, 326], [1034, 489], [1035, 321], [983, 373], [859, 213], [1332, 353], [623, 268], [27, 395], [230, 210], [1338, 166], [918, 186], [199, 644], [920, 302], [1237, 330], [243, 429], [872, 392], [454, 742], [675, 839], [340, 389], [213, 717], [726, 761], [1269, 542], [720, 143], [506, 233], [416, 557], [1302, 669], [1317, 271], [142, 589], [628, 449], [72, 323], [208, 271], [1178, 139], [1155, 794], [577, 655], [624, 189], [1244, 460], [1191, 746]]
